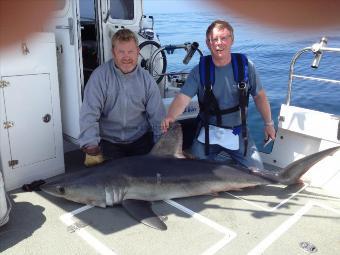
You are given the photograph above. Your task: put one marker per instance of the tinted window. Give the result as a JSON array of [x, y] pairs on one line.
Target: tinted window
[[87, 10], [122, 9]]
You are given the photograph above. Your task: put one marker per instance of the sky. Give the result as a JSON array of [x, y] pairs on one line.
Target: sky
[[175, 6]]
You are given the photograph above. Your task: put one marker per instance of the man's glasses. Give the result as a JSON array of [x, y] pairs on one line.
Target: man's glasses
[[222, 39]]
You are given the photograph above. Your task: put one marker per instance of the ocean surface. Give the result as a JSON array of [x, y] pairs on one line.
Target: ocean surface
[[271, 50]]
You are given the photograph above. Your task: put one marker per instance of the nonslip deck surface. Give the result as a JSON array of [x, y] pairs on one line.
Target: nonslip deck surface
[[263, 220]]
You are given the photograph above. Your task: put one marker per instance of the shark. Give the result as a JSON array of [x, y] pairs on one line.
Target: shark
[[135, 182]]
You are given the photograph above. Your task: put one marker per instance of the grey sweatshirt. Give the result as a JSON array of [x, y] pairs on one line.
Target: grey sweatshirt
[[118, 107]]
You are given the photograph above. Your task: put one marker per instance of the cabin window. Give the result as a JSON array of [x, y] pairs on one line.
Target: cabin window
[[87, 11], [122, 9]]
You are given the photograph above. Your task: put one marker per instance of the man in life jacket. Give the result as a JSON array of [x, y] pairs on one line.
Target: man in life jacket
[[223, 83]]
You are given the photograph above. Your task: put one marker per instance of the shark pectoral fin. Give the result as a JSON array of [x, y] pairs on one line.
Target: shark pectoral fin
[[141, 211]]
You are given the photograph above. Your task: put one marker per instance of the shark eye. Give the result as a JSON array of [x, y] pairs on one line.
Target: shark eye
[[61, 190]]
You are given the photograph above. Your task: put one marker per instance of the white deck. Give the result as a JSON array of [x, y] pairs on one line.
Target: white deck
[[263, 220]]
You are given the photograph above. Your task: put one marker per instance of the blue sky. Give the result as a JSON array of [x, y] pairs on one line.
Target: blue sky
[[175, 6]]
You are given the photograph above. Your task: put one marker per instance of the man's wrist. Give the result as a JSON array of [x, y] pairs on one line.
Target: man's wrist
[[269, 123], [92, 150], [170, 117]]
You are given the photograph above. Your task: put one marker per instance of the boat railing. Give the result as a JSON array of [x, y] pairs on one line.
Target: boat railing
[[317, 49]]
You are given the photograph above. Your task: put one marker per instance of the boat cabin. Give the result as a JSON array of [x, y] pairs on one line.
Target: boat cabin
[[43, 81]]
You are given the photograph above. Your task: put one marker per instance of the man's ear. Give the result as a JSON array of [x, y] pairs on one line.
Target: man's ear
[[113, 54], [207, 43]]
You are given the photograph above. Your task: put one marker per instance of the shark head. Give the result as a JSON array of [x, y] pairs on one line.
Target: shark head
[[78, 191]]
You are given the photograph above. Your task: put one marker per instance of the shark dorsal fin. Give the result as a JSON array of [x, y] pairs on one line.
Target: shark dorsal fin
[[170, 143]]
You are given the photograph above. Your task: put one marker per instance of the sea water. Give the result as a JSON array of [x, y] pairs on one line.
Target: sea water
[[271, 50]]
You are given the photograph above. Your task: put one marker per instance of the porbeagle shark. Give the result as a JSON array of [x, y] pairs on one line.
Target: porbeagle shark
[[164, 174]]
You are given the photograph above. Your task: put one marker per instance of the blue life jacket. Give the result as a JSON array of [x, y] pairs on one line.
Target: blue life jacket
[[210, 106]]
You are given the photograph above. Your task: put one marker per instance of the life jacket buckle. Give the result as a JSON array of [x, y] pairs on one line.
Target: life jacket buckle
[[242, 85], [206, 88]]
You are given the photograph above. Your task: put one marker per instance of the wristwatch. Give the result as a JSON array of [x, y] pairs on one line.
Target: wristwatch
[[270, 123]]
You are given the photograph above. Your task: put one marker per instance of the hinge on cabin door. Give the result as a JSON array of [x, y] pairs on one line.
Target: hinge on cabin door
[[8, 124], [12, 163], [4, 84]]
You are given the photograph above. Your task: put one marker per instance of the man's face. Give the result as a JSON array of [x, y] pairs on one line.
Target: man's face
[[219, 42], [125, 55]]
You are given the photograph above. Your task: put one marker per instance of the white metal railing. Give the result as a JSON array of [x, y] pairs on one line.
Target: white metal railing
[[318, 49]]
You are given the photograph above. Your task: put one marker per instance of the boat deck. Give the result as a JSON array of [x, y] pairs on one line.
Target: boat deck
[[275, 219]]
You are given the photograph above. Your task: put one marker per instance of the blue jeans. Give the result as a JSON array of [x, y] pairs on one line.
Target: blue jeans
[[252, 159]]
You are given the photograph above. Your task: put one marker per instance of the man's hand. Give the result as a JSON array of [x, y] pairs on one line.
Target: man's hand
[[166, 123], [176, 108], [269, 131], [93, 156]]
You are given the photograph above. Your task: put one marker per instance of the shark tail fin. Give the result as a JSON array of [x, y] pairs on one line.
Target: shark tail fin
[[293, 172]]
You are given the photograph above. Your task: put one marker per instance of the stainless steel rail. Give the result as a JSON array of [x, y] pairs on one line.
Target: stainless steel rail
[[318, 49]]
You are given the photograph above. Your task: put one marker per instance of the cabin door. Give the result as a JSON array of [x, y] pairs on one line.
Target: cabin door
[[104, 38], [113, 15], [66, 27]]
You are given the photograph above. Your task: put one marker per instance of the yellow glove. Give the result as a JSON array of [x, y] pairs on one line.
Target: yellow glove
[[92, 160], [93, 156]]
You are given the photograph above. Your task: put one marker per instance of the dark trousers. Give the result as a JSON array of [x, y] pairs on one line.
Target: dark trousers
[[143, 145]]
